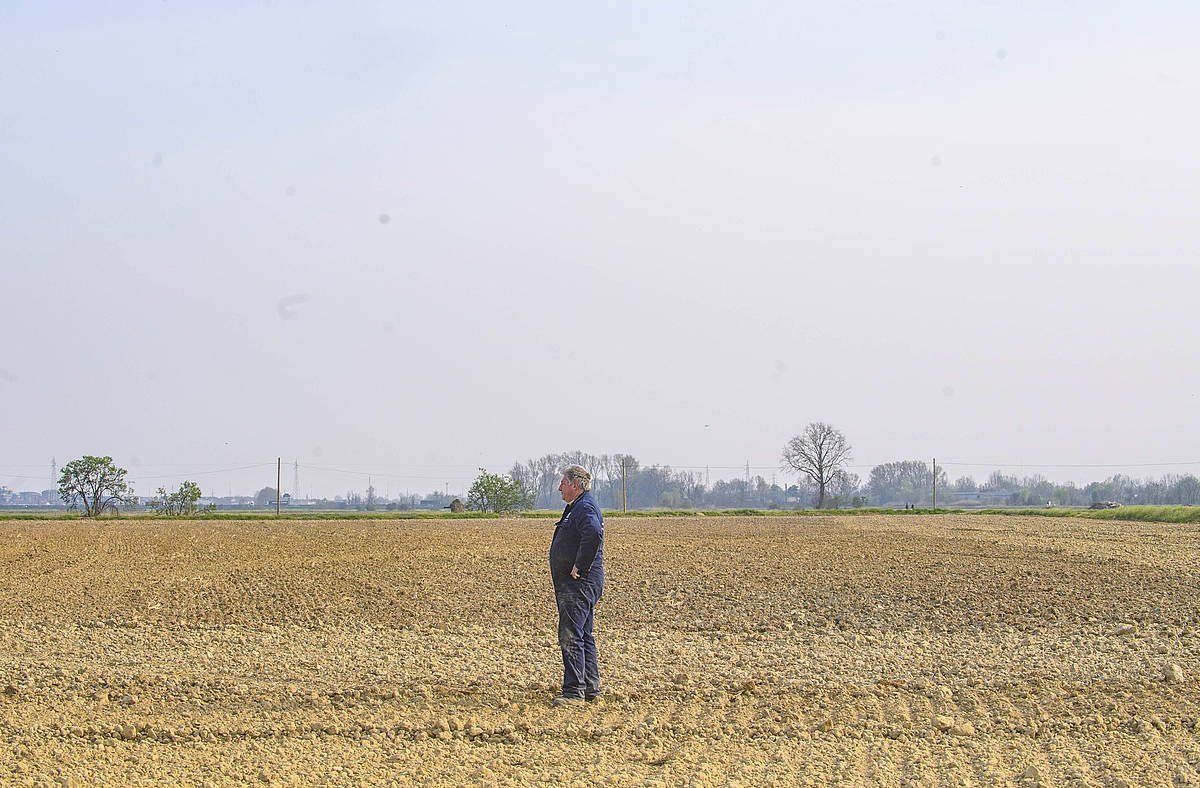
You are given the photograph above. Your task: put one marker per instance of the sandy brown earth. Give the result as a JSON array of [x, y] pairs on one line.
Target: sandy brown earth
[[792, 651]]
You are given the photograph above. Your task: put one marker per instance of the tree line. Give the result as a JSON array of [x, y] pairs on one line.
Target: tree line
[[1036, 490], [819, 455]]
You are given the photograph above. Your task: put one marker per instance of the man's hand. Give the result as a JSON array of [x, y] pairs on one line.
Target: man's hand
[[575, 572]]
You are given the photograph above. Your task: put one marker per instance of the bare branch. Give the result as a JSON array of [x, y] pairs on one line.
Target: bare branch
[[818, 453]]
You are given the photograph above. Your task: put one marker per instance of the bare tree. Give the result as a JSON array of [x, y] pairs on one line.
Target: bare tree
[[529, 477], [844, 487], [817, 453]]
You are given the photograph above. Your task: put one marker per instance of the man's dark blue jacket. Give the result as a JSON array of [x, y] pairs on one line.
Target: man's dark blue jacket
[[578, 541]]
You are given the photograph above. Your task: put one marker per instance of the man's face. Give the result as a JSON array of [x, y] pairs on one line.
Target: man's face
[[568, 489]]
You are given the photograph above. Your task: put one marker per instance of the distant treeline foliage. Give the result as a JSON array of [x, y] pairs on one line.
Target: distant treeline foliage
[[1036, 490], [889, 484], [95, 485], [651, 486]]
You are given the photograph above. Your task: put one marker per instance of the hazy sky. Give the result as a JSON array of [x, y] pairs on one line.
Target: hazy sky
[[413, 239]]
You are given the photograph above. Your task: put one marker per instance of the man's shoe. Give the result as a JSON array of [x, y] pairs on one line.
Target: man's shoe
[[567, 700], [593, 698]]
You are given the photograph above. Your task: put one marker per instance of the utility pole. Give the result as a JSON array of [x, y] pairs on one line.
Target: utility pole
[[296, 480], [935, 482], [278, 481], [624, 489]]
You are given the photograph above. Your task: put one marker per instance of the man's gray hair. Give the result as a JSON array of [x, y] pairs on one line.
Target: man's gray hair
[[579, 476]]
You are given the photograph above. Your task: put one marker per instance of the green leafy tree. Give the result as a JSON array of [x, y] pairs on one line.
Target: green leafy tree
[[909, 481], [181, 502], [265, 497], [498, 493], [95, 485]]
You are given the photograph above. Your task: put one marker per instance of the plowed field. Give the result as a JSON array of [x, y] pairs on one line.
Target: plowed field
[[756, 651]]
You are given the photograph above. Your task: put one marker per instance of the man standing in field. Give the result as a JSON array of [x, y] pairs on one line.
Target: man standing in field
[[577, 570]]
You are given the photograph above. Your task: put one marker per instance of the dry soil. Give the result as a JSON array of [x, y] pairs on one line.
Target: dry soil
[[953, 650]]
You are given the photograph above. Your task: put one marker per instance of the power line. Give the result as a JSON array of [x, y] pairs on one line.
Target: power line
[[369, 474], [680, 466], [135, 477], [401, 465], [371, 469], [202, 473], [140, 465]]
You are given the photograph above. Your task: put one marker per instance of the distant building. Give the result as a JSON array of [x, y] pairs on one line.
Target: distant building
[[233, 501], [287, 500]]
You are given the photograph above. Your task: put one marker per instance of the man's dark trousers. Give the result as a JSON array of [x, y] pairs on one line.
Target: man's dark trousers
[[576, 613]]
